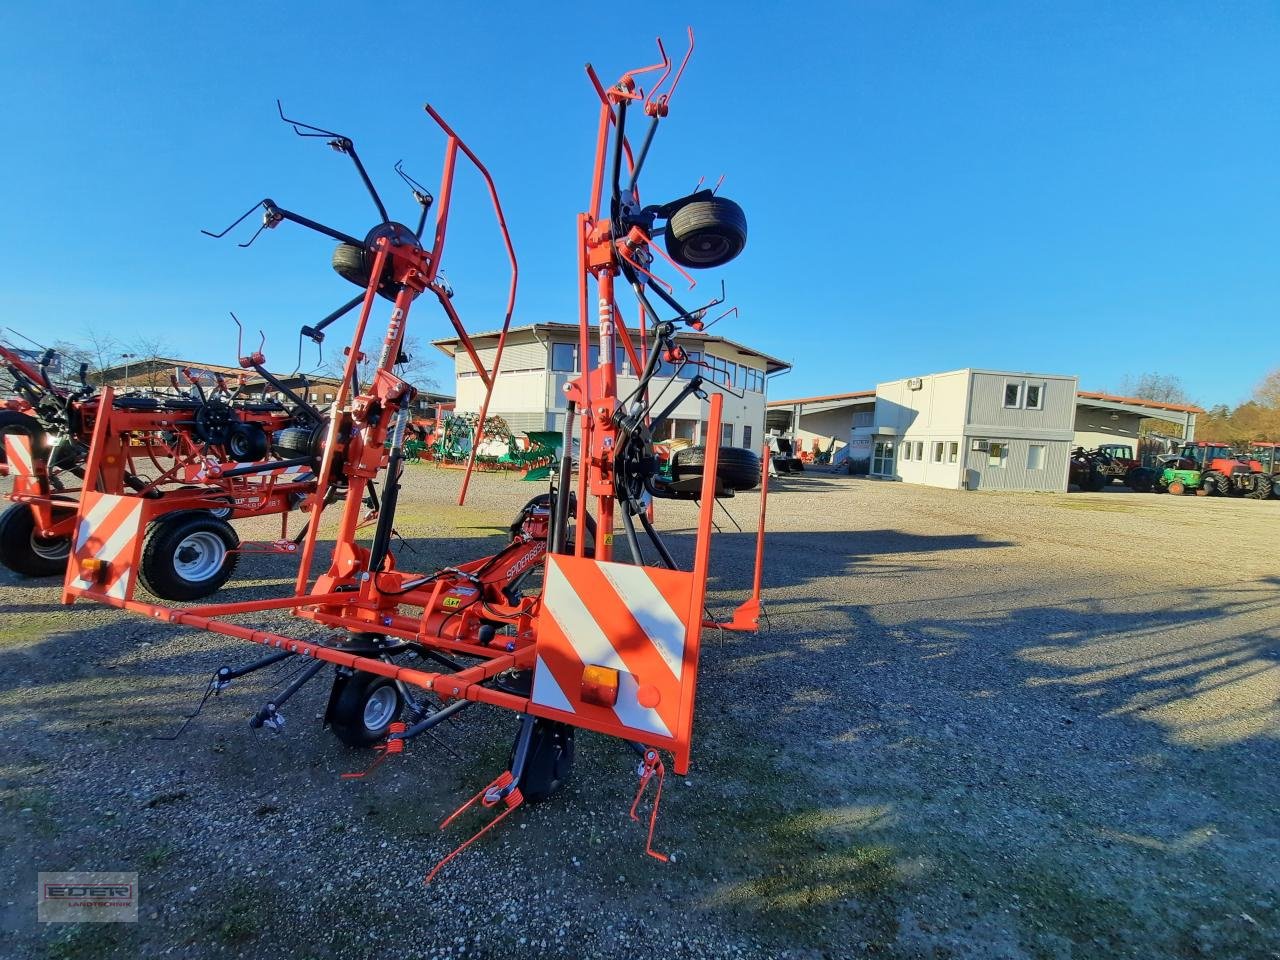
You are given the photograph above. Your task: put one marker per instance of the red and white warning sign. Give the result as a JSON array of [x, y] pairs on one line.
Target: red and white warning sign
[[638, 621], [108, 535]]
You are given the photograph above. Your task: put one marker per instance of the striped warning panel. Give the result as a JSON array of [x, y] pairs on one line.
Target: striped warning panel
[[17, 453], [628, 618], [108, 528]]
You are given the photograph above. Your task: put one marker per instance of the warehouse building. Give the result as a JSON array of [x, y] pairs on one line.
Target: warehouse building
[[971, 429], [539, 359]]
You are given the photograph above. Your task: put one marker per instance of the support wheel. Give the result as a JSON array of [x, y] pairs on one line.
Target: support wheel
[[363, 707], [706, 233], [24, 551], [550, 761], [737, 469], [188, 556]]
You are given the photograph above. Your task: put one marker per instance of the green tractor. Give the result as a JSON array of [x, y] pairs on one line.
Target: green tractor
[[1212, 469]]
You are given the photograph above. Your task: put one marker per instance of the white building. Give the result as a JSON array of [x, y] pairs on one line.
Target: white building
[[538, 359], [977, 429]]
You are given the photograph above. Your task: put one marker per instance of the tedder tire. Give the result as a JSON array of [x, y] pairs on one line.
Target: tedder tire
[[738, 469], [353, 263], [364, 709], [248, 443], [706, 233], [550, 761], [188, 555], [24, 551]]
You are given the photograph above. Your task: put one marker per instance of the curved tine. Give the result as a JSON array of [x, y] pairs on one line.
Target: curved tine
[[256, 234], [239, 220], [298, 126], [413, 184]]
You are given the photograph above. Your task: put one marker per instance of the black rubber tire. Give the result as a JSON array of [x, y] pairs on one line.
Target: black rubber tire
[[550, 761], [706, 233], [14, 421], [1262, 486], [159, 572], [1097, 482], [347, 713], [1140, 480], [1209, 484], [353, 264], [248, 443], [26, 553], [738, 468]]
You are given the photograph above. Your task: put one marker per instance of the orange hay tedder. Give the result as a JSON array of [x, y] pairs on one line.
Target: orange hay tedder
[[610, 643]]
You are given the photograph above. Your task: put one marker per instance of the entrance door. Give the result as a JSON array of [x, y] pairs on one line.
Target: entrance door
[[882, 459]]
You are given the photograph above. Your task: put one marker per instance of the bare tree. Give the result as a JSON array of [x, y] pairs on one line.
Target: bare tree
[[1161, 387], [101, 350], [146, 348], [416, 370]]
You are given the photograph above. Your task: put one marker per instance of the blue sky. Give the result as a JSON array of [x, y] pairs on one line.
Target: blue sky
[[1078, 187]]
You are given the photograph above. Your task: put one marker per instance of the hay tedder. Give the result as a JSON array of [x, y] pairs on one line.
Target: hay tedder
[[611, 641], [184, 464]]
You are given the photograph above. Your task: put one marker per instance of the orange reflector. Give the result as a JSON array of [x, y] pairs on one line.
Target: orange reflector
[[92, 569], [600, 686]]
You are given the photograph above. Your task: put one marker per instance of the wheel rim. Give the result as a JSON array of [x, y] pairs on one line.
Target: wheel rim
[[199, 556], [707, 248], [50, 548], [380, 708]]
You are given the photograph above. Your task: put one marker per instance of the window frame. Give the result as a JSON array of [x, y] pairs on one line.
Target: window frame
[[556, 346], [1026, 395], [953, 451], [1019, 386], [938, 451], [1034, 447], [1003, 460]]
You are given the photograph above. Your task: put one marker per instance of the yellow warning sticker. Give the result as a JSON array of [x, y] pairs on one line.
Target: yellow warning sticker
[[452, 602], [608, 539]]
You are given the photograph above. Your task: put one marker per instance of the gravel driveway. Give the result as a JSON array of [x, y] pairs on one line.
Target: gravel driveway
[[979, 725]]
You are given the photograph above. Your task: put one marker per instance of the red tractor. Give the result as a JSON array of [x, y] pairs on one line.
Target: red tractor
[[1223, 472], [1268, 457]]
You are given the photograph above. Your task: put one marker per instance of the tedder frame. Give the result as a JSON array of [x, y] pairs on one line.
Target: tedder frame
[[606, 645]]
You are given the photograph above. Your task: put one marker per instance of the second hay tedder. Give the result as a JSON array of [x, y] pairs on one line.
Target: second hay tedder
[[612, 641]]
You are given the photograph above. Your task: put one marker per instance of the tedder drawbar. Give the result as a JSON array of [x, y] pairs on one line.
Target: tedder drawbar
[[611, 642]]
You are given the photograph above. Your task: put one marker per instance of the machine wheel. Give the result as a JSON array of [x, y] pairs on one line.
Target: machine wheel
[[352, 263], [738, 469], [1140, 480], [248, 443], [1177, 487], [362, 710], [550, 761], [706, 233], [188, 556], [1262, 487], [24, 551]]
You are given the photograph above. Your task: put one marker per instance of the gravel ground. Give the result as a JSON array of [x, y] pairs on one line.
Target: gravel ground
[[979, 726]]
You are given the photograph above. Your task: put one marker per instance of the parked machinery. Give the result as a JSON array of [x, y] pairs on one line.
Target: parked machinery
[[606, 645], [1268, 457], [1092, 470], [1213, 469], [189, 462]]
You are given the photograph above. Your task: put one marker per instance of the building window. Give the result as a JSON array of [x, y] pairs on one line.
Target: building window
[[919, 449], [691, 366], [726, 434], [906, 452], [953, 451], [746, 435], [1035, 456], [937, 451], [997, 453], [328, 398], [1035, 396], [564, 357], [1013, 394], [621, 367], [315, 397]]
